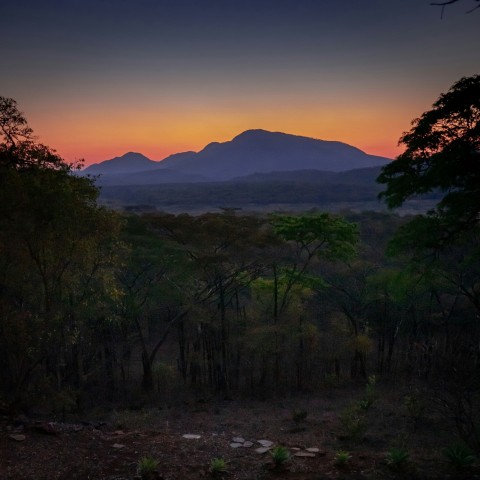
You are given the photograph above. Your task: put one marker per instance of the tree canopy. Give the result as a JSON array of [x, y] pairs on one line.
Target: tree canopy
[[442, 155], [19, 148]]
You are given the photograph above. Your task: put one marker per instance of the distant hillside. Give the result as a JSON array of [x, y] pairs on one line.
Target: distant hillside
[[158, 176], [250, 153], [259, 151], [359, 176], [128, 163], [355, 188]]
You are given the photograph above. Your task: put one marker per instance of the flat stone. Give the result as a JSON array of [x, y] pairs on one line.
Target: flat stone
[[191, 436], [312, 449], [248, 444], [17, 437], [262, 449], [238, 440], [118, 445], [265, 443], [236, 445], [304, 454], [295, 449], [47, 427]]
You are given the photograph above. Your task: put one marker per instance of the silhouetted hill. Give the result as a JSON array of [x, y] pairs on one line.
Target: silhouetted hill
[[359, 176], [260, 151], [252, 152], [150, 177], [130, 162]]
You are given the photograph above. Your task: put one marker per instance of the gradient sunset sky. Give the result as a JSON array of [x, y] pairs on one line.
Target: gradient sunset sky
[[99, 78]]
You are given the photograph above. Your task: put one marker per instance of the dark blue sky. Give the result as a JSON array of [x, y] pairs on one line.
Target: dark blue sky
[[98, 78]]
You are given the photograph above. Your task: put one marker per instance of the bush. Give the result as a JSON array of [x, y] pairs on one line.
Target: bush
[[218, 466], [280, 456], [459, 456], [353, 423], [342, 458], [396, 458], [146, 467], [299, 415]]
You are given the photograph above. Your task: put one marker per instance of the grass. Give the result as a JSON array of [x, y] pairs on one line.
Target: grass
[[459, 456], [396, 458], [218, 466], [342, 458], [146, 466], [280, 456]]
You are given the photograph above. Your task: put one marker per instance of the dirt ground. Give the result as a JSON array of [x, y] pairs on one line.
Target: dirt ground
[[109, 445]]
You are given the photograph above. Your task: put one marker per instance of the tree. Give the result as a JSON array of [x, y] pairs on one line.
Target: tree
[[442, 155], [57, 254], [19, 149], [445, 3]]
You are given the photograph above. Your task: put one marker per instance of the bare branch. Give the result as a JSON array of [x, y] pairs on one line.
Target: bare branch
[[450, 2]]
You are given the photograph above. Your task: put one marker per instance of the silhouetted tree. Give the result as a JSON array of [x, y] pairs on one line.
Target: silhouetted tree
[[442, 154], [451, 2]]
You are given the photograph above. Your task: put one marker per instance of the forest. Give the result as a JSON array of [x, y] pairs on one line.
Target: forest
[[99, 307]]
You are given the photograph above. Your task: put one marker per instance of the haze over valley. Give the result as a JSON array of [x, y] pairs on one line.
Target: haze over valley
[[256, 169]]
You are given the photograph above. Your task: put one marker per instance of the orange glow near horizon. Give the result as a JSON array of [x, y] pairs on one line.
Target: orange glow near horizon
[[95, 137]]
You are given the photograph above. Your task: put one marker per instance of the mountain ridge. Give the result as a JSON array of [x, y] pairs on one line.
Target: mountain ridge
[[252, 151]]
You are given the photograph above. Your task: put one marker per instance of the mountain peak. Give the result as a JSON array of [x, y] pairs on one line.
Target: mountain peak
[[129, 162], [262, 151], [133, 156]]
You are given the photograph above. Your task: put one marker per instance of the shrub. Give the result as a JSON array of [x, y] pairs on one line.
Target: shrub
[[218, 466], [396, 457], [415, 406], [299, 415], [370, 393], [354, 423], [342, 458], [459, 456], [280, 456], [146, 467]]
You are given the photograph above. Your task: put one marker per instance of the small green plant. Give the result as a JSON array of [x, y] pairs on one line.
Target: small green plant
[[370, 394], [146, 467], [396, 458], [299, 415], [280, 456], [415, 405], [218, 466], [342, 458], [459, 456], [354, 423]]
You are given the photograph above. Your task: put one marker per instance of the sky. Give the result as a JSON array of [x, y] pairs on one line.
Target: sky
[[97, 79]]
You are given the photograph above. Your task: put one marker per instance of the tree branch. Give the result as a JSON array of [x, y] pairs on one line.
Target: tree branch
[[450, 2]]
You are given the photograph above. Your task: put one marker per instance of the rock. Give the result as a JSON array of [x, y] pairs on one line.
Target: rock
[[304, 454], [238, 440], [118, 445], [261, 449], [295, 449], [248, 444], [312, 449], [191, 436], [265, 443], [17, 437], [236, 445], [47, 427]]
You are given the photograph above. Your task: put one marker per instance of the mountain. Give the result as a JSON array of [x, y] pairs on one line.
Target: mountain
[[260, 151], [359, 176], [130, 162], [253, 152], [157, 176]]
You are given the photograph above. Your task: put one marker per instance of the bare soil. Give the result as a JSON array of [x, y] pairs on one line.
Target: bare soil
[[110, 446]]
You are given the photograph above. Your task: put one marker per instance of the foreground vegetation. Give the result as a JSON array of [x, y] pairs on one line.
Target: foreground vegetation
[[100, 308]]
